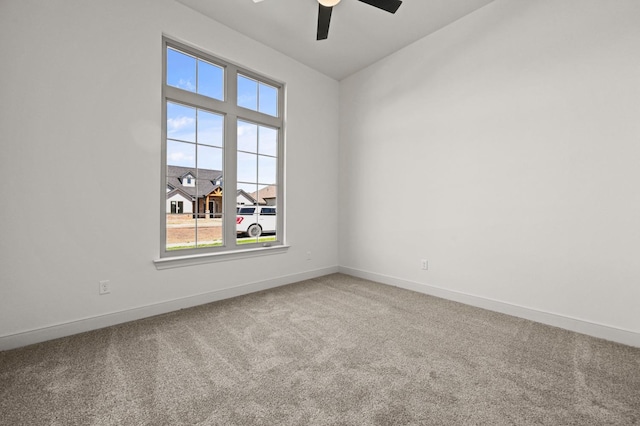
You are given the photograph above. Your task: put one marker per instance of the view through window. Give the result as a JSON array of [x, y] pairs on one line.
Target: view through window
[[222, 154]]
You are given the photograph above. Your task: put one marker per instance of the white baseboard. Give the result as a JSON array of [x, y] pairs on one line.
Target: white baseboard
[[573, 324], [55, 331]]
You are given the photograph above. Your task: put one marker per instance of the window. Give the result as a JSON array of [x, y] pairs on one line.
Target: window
[[177, 207], [257, 96], [222, 145], [188, 180]]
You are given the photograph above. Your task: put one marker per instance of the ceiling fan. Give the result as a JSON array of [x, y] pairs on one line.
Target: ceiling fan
[[325, 7]]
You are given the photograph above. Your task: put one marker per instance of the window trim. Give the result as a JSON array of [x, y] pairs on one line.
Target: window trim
[[221, 256], [232, 113]]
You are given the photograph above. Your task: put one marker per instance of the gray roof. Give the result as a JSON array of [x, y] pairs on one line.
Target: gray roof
[[262, 195], [206, 180]]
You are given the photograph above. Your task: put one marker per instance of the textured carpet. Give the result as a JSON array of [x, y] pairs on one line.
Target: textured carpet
[[336, 350]]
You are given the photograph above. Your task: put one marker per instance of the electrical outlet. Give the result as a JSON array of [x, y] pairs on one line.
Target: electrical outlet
[[308, 255], [104, 287], [424, 264]]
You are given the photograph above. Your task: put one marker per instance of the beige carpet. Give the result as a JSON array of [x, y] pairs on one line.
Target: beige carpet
[[336, 350]]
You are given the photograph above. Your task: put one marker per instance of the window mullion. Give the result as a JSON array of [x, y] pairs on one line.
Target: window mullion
[[259, 118], [280, 189], [196, 100], [230, 179], [230, 158], [197, 183]]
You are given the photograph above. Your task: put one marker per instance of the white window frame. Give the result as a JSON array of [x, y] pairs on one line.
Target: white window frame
[[232, 113]]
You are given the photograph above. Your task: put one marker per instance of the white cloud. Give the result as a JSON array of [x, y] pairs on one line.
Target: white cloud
[[179, 123], [178, 157], [247, 129], [186, 85]]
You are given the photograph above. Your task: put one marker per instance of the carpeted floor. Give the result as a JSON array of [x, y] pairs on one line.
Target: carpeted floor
[[335, 350]]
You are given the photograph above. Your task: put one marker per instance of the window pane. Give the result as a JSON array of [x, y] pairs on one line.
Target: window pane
[[209, 158], [181, 122], [268, 100], [247, 167], [210, 230], [210, 80], [268, 142], [210, 128], [181, 154], [256, 227], [247, 93], [267, 194], [181, 70], [181, 230], [247, 136], [267, 170]]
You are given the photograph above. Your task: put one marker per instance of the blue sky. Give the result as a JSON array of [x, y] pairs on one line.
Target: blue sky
[[195, 75]]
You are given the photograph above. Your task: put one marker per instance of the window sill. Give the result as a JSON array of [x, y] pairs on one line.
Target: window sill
[[198, 259]]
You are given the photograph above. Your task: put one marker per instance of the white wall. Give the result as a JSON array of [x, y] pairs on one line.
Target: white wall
[[515, 133], [80, 113]]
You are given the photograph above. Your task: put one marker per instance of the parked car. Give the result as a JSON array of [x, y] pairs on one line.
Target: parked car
[[254, 221]]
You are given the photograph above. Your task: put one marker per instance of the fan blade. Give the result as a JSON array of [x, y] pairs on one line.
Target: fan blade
[[324, 17], [389, 5]]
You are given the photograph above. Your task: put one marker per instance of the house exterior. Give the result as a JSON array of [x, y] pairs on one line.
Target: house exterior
[[266, 195], [179, 201], [203, 199], [184, 196], [244, 199]]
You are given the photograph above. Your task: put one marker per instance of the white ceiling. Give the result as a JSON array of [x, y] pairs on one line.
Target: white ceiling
[[359, 34]]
